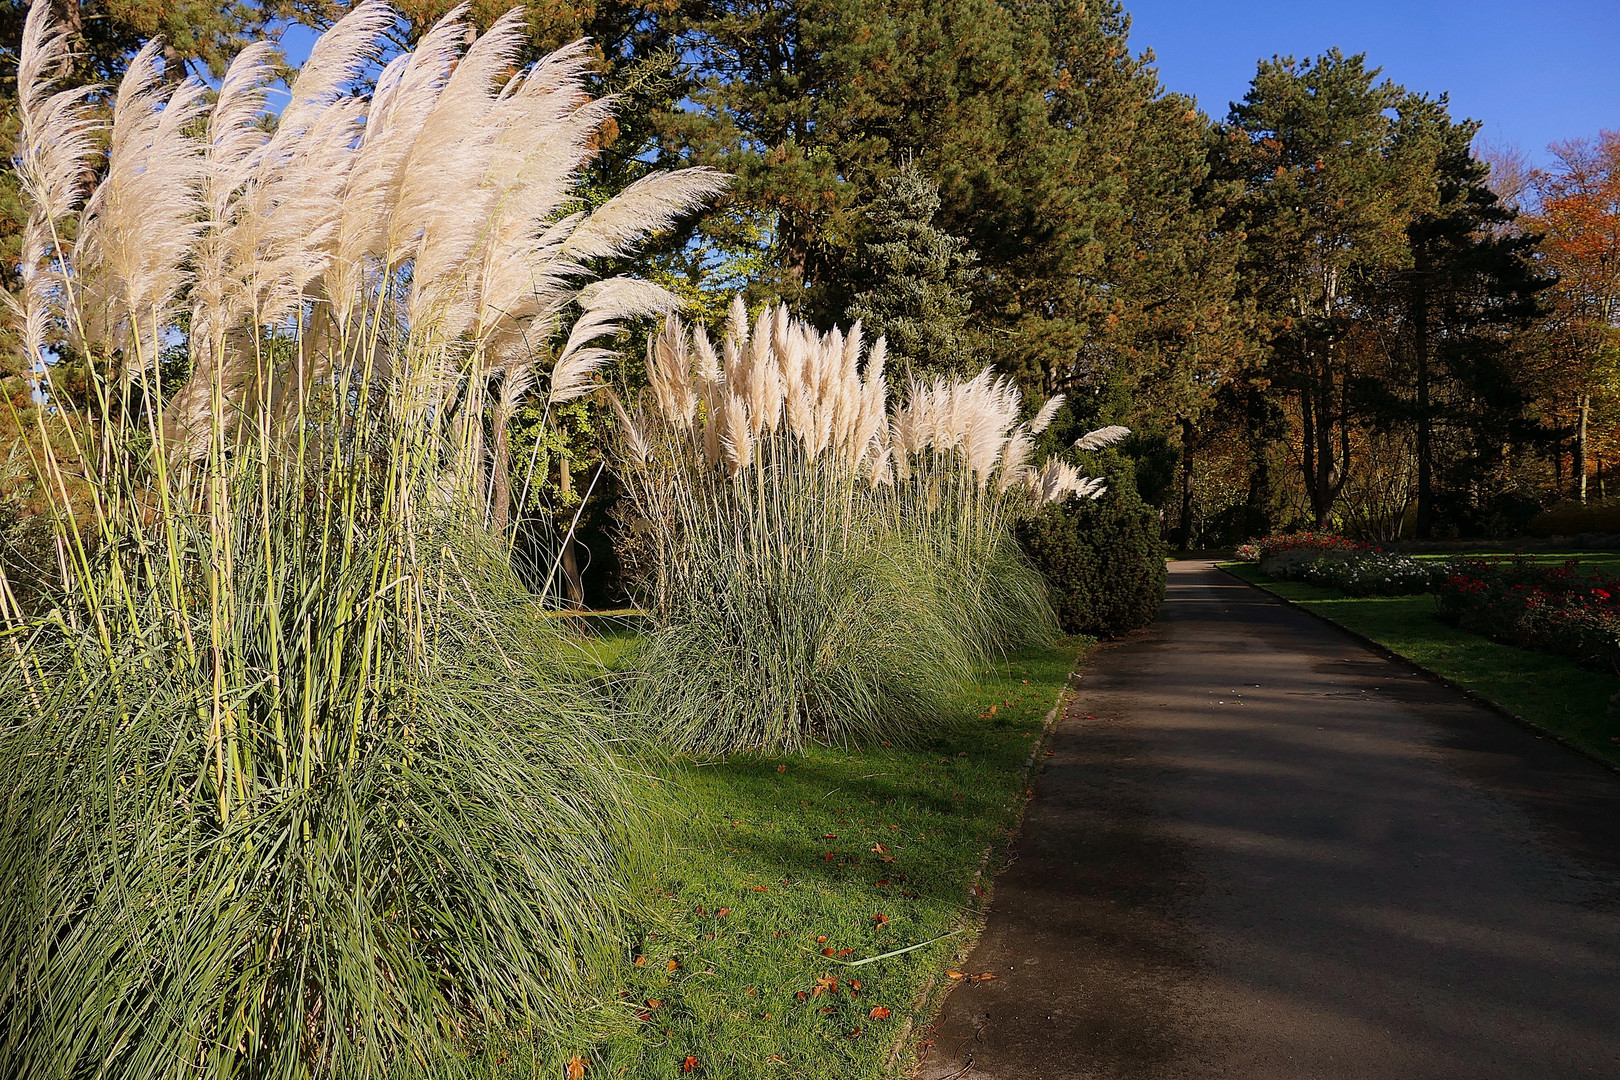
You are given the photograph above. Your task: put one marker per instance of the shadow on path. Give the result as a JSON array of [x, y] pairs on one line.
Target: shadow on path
[[1260, 850]]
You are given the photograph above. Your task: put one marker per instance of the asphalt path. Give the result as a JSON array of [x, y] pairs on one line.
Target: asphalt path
[[1260, 850]]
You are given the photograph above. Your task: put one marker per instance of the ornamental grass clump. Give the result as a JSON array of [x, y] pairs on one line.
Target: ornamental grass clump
[[822, 567], [295, 784]]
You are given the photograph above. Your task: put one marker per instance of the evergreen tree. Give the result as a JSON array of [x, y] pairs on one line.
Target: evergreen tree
[[917, 279]]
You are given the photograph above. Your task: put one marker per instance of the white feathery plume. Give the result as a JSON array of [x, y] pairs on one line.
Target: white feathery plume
[[1104, 436], [140, 224], [706, 363], [1048, 413], [649, 205], [635, 439], [54, 147], [669, 372], [737, 440], [1015, 458], [737, 322]]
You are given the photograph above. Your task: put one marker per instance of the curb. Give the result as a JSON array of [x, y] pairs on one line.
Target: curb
[[920, 1005], [1430, 674]]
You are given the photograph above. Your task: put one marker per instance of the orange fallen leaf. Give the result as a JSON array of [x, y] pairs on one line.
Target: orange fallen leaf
[[654, 1003], [820, 938], [829, 836], [881, 919], [673, 964], [880, 849], [879, 1013], [641, 961], [856, 983], [827, 951], [949, 974], [845, 952], [801, 995], [576, 1068], [985, 977], [880, 882], [689, 1064], [722, 913], [825, 984], [855, 1034], [761, 888], [781, 768]]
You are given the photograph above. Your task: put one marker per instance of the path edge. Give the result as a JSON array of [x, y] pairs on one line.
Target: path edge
[[928, 1001], [1429, 673]]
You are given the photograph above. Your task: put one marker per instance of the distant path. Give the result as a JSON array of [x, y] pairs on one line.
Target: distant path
[[1276, 855]]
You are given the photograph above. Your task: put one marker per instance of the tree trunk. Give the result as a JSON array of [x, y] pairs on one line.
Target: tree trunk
[[1583, 409], [573, 586], [1186, 529], [1425, 467]]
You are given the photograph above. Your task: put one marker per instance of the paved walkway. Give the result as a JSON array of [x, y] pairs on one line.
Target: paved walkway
[[1261, 851]]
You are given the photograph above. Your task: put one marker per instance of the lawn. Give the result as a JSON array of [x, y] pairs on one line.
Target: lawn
[[1549, 691], [779, 875]]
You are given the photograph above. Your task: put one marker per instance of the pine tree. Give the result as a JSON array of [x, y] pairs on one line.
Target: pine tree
[[917, 279]]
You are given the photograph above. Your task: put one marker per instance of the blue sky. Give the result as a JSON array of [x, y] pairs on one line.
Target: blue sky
[[1534, 71]]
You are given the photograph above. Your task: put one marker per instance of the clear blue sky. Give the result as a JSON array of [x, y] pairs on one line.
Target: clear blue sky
[[1534, 71]]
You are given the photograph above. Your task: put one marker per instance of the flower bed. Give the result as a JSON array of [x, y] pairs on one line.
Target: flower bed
[[1557, 610], [1372, 573]]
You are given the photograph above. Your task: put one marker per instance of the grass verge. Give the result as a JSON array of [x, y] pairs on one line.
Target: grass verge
[[772, 862], [1549, 691]]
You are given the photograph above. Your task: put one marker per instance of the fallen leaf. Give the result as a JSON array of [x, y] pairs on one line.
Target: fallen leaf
[[576, 1068], [880, 882], [880, 849], [845, 952], [827, 856], [800, 996], [985, 977], [821, 938], [829, 836], [856, 983], [879, 1013], [654, 1003], [881, 919], [977, 891], [781, 768], [722, 913], [761, 888], [825, 984], [673, 964], [827, 951], [949, 974], [689, 1064], [641, 961], [855, 1034]]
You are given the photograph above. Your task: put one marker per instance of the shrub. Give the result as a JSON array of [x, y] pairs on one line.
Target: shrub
[[1573, 518], [295, 785], [821, 567], [1103, 560], [1553, 609]]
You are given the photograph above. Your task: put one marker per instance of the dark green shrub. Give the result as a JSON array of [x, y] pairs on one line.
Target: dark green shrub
[[1103, 560], [1571, 518]]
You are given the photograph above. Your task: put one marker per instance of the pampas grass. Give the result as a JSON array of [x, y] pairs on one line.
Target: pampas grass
[[825, 566], [295, 784]]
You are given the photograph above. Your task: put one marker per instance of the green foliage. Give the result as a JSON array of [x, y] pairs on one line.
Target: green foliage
[[1103, 560], [916, 280]]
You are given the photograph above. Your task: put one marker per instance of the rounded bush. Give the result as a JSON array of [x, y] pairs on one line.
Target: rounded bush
[[1102, 559]]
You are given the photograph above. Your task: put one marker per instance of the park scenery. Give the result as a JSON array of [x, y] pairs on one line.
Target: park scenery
[[554, 542]]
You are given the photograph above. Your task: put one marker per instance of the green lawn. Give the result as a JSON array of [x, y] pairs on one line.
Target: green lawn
[[769, 861], [1546, 690]]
